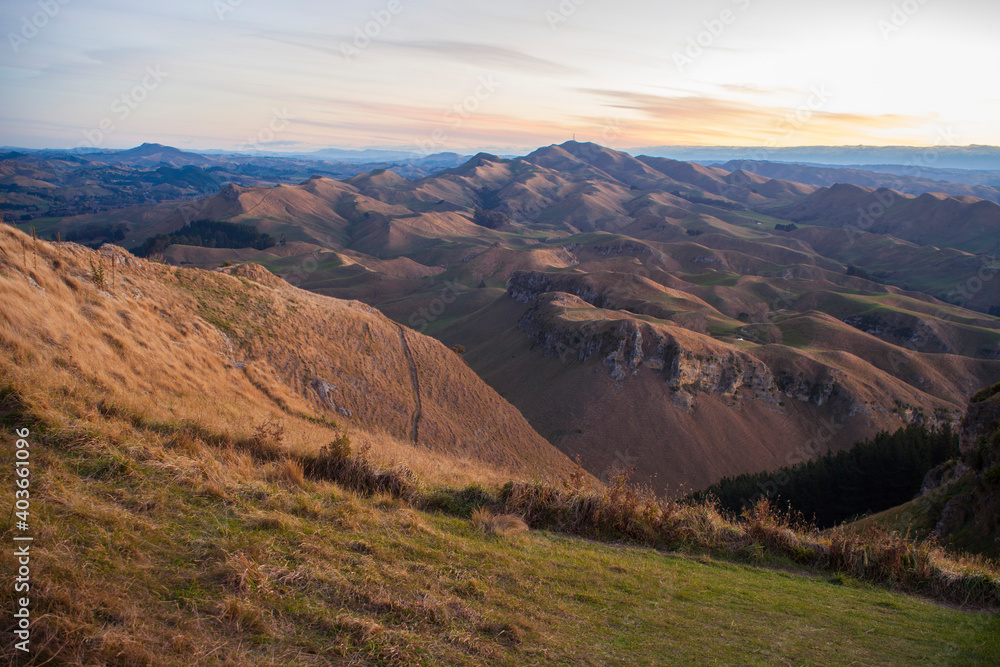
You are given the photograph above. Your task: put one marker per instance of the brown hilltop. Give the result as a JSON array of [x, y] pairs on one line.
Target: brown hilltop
[[233, 349], [768, 328], [685, 408]]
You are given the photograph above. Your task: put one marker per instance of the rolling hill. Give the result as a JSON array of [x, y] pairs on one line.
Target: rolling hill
[[254, 349], [914, 179], [225, 469], [685, 320]]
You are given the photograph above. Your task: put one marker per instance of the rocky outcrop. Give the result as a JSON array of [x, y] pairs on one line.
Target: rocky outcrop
[[630, 248], [818, 391], [526, 286], [981, 419], [899, 330], [326, 392], [626, 345], [946, 473], [971, 484], [732, 374], [231, 192]]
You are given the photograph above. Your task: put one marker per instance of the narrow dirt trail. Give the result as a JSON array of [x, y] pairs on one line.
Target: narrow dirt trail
[[415, 424]]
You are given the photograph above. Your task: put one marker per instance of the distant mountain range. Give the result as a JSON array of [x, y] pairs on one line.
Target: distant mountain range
[[981, 184], [690, 321], [933, 157], [52, 183], [151, 154]]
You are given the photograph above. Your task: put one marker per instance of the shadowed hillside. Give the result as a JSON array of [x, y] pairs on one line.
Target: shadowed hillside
[[242, 348], [222, 472], [687, 320], [959, 502]]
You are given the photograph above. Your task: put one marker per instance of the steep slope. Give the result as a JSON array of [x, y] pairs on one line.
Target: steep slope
[[685, 408], [964, 223], [910, 180], [960, 500], [157, 341], [859, 328]]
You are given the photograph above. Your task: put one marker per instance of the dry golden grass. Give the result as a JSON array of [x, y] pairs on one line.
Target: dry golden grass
[[759, 535], [163, 345], [172, 544], [497, 524]]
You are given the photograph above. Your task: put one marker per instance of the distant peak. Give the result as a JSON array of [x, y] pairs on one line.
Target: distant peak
[[485, 156], [573, 146]]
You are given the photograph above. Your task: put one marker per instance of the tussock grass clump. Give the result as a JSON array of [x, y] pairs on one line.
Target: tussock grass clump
[[291, 471], [886, 557], [497, 524], [266, 442], [335, 463], [779, 533], [241, 615], [760, 534]]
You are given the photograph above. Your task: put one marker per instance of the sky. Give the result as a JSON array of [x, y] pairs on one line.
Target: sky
[[509, 76]]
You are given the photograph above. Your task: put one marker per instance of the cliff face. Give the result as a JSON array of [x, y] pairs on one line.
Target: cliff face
[[526, 286], [612, 369], [981, 419], [562, 320], [624, 345], [689, 363], [970, 486]]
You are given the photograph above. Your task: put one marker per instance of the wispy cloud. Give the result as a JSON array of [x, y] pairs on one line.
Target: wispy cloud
[[706, 119], [483, 55], [488, 55], [608, 66]]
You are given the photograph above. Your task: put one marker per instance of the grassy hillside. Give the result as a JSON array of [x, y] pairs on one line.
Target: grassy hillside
[[960, 500], [244, 349], [841, 327], [160, 549], [196, 499]]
